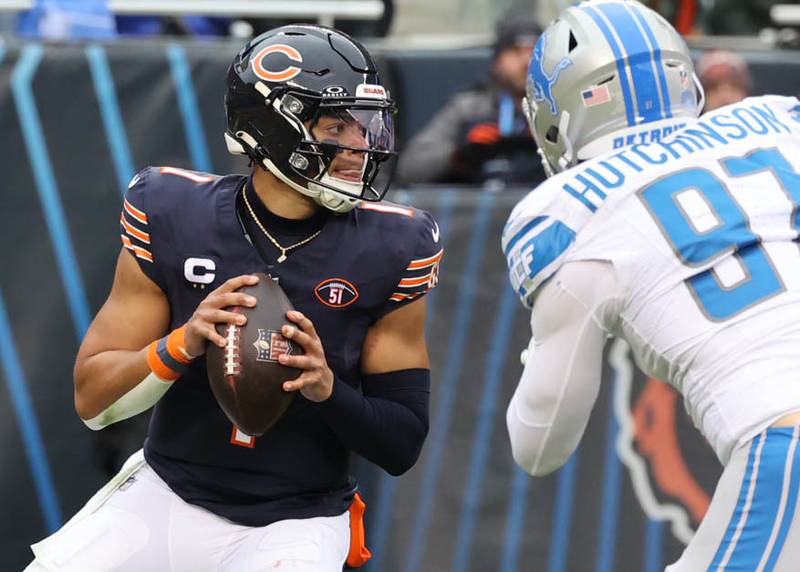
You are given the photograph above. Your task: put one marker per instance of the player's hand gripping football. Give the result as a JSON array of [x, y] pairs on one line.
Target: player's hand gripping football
[[316, 381], [201, 329]]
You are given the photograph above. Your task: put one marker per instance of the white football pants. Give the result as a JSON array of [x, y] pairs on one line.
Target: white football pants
[[137, 523], [753, 523]]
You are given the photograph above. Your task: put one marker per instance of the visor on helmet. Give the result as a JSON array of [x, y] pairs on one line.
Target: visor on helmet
[[344, 148]]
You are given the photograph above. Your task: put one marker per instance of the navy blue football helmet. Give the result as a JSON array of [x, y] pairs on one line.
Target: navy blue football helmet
[[282, 83]]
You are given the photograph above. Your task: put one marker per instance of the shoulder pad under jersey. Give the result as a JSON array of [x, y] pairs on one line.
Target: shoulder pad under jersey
[[153, 196], [539, 231], [417, 242]]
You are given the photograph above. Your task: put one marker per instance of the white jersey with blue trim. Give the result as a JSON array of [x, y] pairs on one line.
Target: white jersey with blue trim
[[701, 228]]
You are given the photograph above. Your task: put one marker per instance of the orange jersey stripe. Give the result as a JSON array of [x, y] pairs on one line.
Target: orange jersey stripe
[[143, 254], [400, 296], [135, 213], [425, 262], [159, 367], [191, 175], [137, 250], [386, 209], [412, 282], [133, 231]]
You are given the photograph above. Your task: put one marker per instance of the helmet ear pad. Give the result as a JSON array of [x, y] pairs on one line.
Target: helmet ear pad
[[286, 133]]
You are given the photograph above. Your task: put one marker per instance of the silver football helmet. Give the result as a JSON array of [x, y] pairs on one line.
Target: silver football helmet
[[606, 74]]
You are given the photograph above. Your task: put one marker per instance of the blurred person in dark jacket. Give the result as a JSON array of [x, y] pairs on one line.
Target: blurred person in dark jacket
[[480, 135], [725, 77]]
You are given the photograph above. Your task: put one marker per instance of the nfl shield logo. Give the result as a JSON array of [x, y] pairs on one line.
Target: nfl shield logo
[[271, 344]]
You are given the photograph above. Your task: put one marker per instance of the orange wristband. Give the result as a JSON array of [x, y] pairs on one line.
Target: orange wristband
[[168, 357]]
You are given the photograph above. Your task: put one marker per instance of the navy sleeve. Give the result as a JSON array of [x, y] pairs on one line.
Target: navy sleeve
[[136, 225], [420, 272], [387, 425]]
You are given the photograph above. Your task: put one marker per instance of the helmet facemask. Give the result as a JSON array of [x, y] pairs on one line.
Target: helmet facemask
[[555, 135], [348, 164]]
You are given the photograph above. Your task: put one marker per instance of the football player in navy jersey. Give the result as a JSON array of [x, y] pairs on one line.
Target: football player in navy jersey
[[305, 104]]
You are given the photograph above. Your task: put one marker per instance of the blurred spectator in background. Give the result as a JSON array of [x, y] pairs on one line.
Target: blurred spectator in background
[[725, 78], [480, 136], [683, 14], [739, 17]]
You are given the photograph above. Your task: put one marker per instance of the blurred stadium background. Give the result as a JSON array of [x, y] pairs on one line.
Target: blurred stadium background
[[78, 118]]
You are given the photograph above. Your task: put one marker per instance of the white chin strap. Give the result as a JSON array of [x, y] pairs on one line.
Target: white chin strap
[[340, 202], [330, 199], [337, 202], [323, 196]]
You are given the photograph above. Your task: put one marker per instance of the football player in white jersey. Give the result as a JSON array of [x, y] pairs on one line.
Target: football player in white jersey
[[679, 234]]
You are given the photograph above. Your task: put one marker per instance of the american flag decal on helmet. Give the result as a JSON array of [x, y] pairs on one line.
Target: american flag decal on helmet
[[596, 96]]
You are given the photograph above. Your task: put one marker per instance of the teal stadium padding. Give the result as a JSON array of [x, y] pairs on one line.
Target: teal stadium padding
[[78, 120]]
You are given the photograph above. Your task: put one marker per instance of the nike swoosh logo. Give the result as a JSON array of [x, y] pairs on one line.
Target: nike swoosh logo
[[435, 232]]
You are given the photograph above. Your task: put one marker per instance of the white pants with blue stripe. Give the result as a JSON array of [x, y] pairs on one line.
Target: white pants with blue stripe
[[753, 524]]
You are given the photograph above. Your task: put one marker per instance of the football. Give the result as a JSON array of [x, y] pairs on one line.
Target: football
[[245, 375]]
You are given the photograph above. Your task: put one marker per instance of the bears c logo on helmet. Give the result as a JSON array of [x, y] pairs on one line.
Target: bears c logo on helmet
[[666, 457], [284, 74]]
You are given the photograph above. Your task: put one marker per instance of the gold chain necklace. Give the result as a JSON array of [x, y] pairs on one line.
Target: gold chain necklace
[[283, 249]]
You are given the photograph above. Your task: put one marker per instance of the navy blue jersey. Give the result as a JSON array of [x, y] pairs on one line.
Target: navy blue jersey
[[184, 231]]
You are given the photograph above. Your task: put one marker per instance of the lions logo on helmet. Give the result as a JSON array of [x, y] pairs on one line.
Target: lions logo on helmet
[[542, 82], [617, 48]]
